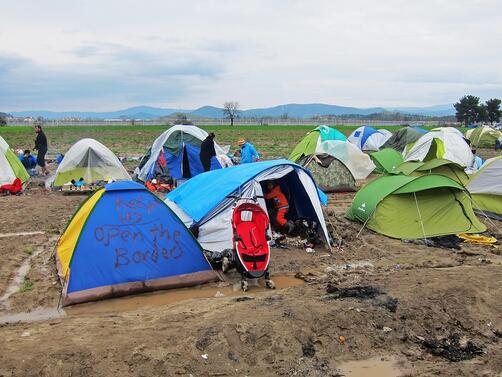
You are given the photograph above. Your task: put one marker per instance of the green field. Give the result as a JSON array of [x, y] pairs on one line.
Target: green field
[[270, 141]]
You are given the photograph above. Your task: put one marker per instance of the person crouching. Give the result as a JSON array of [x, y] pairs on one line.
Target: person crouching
[[281, 206]]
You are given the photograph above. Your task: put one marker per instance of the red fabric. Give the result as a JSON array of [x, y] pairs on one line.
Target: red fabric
[[162, 159], [150, 186], [250, 237], [13, 188], [280, 218], [277, 196]]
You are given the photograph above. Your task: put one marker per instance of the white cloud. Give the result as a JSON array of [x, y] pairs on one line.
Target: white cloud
[[101, 55]]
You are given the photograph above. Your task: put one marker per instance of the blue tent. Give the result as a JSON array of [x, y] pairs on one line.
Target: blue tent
[[367, 138], [124, 239], [207, 199], [176, 153]]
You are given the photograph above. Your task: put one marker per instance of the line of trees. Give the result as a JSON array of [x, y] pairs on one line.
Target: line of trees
[[470, 110]]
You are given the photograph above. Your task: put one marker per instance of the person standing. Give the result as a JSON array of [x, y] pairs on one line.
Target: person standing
[[207, 151], [248, 152], [41, 147]]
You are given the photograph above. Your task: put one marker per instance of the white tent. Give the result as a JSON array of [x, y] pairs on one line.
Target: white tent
[[181, 139], [445, 143], [448, 130], [367, 138], [358, 163], [91, 160], [485, 187]]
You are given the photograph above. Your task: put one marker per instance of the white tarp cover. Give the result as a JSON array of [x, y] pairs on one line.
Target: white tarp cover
[[455, 148], [94, 162], [359, 164], [372, 142], [6, 173], [158, 145], [215, 229], [488, 180]]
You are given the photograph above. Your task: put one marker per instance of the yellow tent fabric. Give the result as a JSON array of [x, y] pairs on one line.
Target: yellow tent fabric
[[69, 239]]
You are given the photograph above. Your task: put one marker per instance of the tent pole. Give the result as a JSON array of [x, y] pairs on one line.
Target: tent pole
[[419, 215]]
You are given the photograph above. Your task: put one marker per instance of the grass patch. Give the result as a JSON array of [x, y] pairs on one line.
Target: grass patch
[[273, 141], [27, 286], [28, 249]]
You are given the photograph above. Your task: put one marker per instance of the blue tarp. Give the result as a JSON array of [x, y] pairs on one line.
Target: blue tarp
[[132, 236], [203, 193]]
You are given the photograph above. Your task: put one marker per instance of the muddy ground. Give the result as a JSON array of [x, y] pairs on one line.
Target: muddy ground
[[418, 305]]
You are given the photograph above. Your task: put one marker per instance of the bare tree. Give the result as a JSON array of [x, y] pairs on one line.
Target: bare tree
[[231, 111]]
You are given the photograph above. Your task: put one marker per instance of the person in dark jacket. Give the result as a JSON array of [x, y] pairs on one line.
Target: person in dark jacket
[[41, 147], [207, 151]]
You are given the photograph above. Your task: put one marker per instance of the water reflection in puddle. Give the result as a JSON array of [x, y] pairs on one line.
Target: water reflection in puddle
[[159, 298], [374, 367]]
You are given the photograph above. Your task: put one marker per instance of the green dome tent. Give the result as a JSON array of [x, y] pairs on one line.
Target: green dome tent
[[435, 166], [386, 160], [485, 187], [10, 166], [483, 137], [309, 143], [401, 138], [407, 207]]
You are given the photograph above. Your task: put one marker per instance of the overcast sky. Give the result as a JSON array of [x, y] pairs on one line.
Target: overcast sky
[[109, 54]]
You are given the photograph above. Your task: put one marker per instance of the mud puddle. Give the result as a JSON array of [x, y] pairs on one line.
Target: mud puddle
[[159, 298], [374, 367]]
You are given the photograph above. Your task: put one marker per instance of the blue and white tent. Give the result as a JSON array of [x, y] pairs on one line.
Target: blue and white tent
[[366, 138], [208, 199], [176, 153]]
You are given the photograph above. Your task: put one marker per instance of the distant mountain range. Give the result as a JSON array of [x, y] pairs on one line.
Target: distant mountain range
[[289, 110]]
